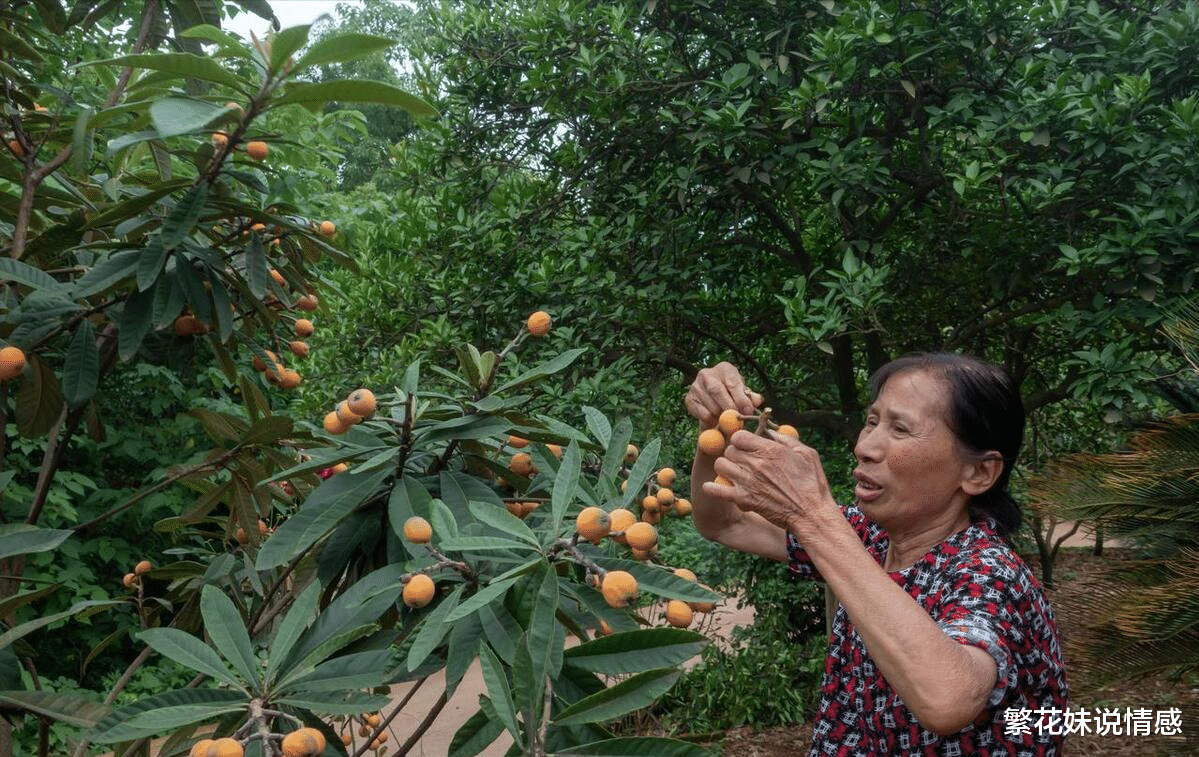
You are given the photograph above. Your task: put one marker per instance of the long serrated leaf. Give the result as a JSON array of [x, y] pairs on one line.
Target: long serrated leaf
[[286, 42], [150, 263], [660, 581], [433, 629], [333, 500], [483, 544], [39, 401], [647, 461], [72, 709], [358, 91], [258, 273], [499, 690], [566, 485], [106, 273], [500, 519], [183, 217], [360, 670], [25, 539], [225, 626], [633, 693], [542, 626], [616, 448], [342, 48], [23, 273], [202, 704], [548, 368], [180, 64], [173, 116], [185, 649], [598, 425], [482, 597], [344, 703], [476, 734], [24, 629], [466, 637], [636, 651], [81, 374], [299, 616]]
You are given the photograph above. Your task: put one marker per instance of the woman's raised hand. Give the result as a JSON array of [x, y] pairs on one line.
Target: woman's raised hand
[[719, 388]]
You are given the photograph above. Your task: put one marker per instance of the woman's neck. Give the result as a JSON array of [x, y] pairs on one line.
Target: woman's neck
[[907, 545]]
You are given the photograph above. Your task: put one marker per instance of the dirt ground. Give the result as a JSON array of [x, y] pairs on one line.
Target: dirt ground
[[1078, 574]]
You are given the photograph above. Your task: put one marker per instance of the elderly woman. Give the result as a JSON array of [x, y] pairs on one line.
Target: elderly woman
[[942, 632]]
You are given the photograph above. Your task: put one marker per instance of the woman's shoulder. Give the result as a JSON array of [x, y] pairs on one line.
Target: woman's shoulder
[[981, 551]]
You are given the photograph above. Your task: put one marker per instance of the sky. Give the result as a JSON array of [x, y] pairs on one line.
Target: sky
[[290, 13]]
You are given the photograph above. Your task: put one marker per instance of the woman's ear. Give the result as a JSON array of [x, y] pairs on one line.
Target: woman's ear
[[982, 473]]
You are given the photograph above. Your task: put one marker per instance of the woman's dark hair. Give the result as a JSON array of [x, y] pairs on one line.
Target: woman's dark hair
[[985, 413]]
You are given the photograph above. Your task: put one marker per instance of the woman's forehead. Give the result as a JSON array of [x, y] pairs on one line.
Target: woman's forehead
[[914, 393]]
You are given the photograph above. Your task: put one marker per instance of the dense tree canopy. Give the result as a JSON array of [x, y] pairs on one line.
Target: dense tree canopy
[[810, 188]]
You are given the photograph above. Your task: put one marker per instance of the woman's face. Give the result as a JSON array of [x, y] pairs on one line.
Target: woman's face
[[911, 470]]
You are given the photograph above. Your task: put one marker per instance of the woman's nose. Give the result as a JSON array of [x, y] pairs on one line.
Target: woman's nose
[[865, 449]]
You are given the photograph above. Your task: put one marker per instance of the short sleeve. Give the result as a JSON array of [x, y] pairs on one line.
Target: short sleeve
[[979, 632], [978, 608]]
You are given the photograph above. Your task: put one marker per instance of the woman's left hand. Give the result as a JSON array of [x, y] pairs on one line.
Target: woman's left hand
[[775, 476]]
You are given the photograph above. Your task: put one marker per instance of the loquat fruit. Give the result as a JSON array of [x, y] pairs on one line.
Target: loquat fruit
[[417, 530], [328, 228], [304, 328], [516, 508], [730, 422], [652, 517], [226, 747], [539, 323], [686, 573], [419, 590], [665, 497], [641, 536], [593, 524], [630, 454], [517, 442], [257, 149], [619, 588], [682, 507], [362, 402], [641, 555], [665, 477], [555, 450], [722, 481], [703, 606], [308, 302], [521, 464], [200, 748], [526, 508], [711, 442], [604, 629], [650, 504], [219, 139], [298, 348], [334, 425], [289, 378], [620, 519], [339, 468], [189, 325], [678, 613], [303, 742], [12, 362], [143, 567], [129, 581], [787, 429], [278, 278], [373, 719], [345, 414], [16, 148]]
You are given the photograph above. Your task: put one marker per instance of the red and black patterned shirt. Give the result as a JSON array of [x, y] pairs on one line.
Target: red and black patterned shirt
[[980, 593]]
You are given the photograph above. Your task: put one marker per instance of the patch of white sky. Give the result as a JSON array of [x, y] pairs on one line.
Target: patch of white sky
[[289, 13]]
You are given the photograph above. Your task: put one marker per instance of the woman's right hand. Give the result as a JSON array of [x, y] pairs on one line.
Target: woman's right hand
[[717, 389]]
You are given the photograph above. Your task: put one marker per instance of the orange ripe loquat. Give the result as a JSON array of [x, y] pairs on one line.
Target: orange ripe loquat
[[417, 530], [539, 323], [12, 362], [419, 590], [619, 588]]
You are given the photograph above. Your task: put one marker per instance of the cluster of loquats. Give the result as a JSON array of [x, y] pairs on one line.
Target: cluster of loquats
[[520, 464], [370, 726], [302, 742], [134, 579], [359, 405], [712, 441], [243, 538], [275, 372], [660, 499]]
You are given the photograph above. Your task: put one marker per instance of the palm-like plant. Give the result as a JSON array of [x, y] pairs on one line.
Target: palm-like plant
[[1144, 617]]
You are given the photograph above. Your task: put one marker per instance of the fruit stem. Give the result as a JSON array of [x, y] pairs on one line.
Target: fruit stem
[[258, 716], [764, 422]]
